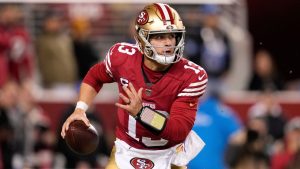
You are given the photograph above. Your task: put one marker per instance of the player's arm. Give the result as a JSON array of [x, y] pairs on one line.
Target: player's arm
[[90, 87], [181, 119], [182, 113], [183, 110], [175, 127], [99, 74]]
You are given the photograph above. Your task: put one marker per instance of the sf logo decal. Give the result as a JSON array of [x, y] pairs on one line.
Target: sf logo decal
[[141, 163], [143, 18]]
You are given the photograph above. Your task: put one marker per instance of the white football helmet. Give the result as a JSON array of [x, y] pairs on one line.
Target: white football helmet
[[159, 18]]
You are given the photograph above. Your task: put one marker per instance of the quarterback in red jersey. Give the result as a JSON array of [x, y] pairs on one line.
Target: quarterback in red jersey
[[159, 92]]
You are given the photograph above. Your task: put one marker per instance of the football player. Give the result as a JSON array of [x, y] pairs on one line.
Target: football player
[[159, 92]]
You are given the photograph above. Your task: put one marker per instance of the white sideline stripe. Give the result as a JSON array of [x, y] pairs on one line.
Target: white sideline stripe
[[198, 83], [191, 94], [194, 89]]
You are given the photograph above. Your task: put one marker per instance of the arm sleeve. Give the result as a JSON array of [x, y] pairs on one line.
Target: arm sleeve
[[97, 75], [181, 120], [183, 110]]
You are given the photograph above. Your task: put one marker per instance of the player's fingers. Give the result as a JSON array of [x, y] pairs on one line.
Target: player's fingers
[[64, 129], [62, 133], [124, 98], [132, 89], [86, 121], [67, 123], [128, 92], [122, 106]]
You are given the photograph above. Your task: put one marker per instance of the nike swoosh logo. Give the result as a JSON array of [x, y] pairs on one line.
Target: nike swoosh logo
[[200, 78], [192, 104]]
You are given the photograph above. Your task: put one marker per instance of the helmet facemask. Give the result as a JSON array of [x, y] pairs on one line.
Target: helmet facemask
[[150, 52]]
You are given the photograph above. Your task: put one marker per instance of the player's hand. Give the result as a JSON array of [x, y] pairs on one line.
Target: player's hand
[[133, 100], [78, 114]]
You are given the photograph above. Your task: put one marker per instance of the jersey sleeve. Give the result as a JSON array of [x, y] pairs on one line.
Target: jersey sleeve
[[97, 76], [105, 72], [194, 86], [181, 119], [115, 57], [183, 110]]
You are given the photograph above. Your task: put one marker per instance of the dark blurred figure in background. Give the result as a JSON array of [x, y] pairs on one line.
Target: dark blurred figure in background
[[35, 139], [4, 45], [56, 59], [268, 109], [220, 128], [265, 127], [253, 154], [288, 157], [208, 45], [97, 159], [86, 55], [16, 58], [265, 75], [8, 98], [28, 128]]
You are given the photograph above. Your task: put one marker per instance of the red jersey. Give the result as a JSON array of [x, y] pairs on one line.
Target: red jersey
[[176, 94]]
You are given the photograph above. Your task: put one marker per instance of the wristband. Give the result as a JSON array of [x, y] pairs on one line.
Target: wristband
[[82, 105], [151, 119]]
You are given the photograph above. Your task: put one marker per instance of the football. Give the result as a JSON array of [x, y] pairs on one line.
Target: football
[[82, 139]]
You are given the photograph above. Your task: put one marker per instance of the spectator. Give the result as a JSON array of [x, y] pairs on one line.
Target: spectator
[[86, 56], [56, 59], [219, 127], [290, 154], [208, 45], [4, 46], [36, 140], [8, 101], [14, 45], [265, 75], [253, 154], [270, 111]]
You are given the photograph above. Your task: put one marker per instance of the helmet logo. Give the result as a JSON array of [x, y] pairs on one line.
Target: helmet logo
[[143, 18]]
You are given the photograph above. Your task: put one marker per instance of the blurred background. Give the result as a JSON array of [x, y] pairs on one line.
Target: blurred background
[[249, 116]]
